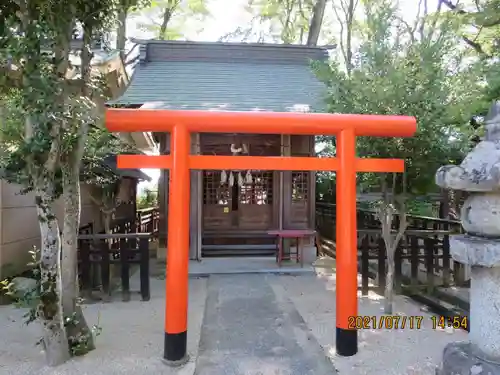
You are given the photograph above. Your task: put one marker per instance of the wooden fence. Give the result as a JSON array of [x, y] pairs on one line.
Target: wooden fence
[[103, 258], [125, 250], [422, 259], [148, 220]]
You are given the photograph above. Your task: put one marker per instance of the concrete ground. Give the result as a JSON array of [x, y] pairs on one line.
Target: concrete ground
[[261, 265], [251, 324]]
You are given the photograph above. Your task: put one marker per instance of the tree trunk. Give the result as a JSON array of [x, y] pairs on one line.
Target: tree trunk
[[444, 204], [345, 17], [167, 15], [391, 244], [80, 336], [50, 311], [107, 216], [121, 31], [316, 22], [389, 281], [348, 39], [386, 213]]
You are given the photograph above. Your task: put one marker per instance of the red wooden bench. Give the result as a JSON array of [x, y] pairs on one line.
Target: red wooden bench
[[299, 235]]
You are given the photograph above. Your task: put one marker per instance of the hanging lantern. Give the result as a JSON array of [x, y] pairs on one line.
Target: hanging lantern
[[223, 177]]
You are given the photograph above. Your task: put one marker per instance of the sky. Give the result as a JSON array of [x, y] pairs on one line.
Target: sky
[[227, 16]]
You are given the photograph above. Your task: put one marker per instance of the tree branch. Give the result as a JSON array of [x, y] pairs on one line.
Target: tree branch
[[455, 8], [471, 43], [132, 61], [130, 52], [13, 76], [475, 45]]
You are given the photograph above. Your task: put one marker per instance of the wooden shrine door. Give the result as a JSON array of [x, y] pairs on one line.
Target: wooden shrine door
[[255, 202], [246, 204]]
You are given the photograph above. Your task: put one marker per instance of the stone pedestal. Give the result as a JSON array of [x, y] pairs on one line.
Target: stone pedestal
[[309, 253], [482, 354], [463, 358], [478, 174]]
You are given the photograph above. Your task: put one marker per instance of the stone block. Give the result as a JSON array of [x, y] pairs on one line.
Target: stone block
[[475, 251], [161, 253], [309, 253], [462, 358]]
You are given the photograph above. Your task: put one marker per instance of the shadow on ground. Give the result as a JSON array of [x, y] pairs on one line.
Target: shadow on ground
[[238, 324]]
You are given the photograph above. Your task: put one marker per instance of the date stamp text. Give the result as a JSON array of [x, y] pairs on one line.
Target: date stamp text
[[385, 322]]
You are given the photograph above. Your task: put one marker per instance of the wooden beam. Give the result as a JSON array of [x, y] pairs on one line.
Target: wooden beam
[[153, 120], [266, 163]]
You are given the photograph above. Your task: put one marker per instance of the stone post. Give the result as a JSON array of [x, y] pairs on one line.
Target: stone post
[[479, 173]]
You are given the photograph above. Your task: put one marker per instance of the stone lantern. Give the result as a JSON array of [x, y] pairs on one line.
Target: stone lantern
[[478, 174]]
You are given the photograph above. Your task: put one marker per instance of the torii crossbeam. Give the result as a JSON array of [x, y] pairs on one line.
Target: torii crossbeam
[[182, 123]]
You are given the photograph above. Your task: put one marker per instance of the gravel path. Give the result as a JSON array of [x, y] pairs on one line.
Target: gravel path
[[131, 342], [388, 352], [253, 325]]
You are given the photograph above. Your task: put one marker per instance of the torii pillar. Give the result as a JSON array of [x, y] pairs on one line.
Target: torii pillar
[[182, 123]]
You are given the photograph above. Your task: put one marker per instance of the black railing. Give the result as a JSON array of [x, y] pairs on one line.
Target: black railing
[[367, 219], [125, 251], [422, 258], [105, 257], [148, 220]]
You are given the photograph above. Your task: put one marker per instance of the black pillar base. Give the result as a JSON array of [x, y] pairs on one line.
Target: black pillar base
[[175, 348], [346, 342]]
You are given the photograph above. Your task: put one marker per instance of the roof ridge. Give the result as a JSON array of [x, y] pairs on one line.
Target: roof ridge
[[155, 50], [230, 44]]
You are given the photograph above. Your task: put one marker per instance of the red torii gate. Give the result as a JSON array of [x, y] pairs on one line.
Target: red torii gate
[[182, 123]]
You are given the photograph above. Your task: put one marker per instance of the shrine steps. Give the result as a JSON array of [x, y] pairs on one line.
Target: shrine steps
[[238, 244]]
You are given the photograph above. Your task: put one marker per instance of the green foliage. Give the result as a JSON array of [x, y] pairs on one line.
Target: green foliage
[[45, 120], [41, 122], [479, 24], [325, 187], [287, 21], [147, 199], [423, 207], [168, 19], [79, 344], [399, 73], [282, 21], [99, 145], [418, 206], [134, 5], [30, 300]]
